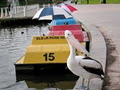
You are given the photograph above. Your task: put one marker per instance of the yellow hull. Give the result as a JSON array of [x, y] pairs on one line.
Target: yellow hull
[[47, 50]]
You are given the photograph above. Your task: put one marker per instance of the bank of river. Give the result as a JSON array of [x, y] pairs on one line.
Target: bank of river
[[23, 21]]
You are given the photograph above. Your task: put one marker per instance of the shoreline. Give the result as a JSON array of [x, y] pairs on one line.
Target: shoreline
[[15, 22]]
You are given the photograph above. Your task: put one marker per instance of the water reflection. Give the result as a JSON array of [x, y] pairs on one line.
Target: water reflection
[[49, 80], [13, 44]]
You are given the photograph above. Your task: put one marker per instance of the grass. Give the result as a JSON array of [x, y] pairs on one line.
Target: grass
[[99, 1], [114, 1]]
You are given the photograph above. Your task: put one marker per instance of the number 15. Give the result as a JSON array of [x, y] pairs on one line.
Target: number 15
[[49, 56]]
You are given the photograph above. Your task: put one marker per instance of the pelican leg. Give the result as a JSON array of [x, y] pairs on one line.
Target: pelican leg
[[88, 84], [83, 87], [83, 82]]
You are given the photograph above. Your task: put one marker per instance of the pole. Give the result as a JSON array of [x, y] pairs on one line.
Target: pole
[[15, 9], [24, 10], [2, 12], [6, 12], [11, 12]]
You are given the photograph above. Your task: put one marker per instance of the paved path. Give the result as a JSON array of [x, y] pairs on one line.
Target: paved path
[[107, 19]]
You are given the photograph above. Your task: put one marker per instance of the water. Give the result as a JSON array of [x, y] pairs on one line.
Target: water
[[13, 44]]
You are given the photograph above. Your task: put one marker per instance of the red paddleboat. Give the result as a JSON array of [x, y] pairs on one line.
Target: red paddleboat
[[77, 31]]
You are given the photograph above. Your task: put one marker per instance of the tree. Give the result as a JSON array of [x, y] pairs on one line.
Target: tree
[[3, 3], [104, 2], [87, 1]]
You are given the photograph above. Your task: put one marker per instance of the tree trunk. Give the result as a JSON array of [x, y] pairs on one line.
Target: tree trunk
[[87, 1], [104, 1]]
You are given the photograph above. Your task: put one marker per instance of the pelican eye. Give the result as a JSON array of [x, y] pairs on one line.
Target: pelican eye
[[69, 34]]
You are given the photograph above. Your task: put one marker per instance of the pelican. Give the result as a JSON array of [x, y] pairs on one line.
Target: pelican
[[83, 66]]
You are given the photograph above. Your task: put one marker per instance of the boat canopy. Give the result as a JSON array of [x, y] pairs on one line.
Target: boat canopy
[[69, 21]]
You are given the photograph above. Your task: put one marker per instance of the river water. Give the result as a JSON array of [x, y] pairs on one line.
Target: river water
[[13, 44]]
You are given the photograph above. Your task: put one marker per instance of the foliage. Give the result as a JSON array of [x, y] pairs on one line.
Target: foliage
[[113, 1], [3, 3], [58, 1], [29, 2], [99, 1]]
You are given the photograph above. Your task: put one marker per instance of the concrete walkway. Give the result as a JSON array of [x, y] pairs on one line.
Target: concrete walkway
[[106, 18]]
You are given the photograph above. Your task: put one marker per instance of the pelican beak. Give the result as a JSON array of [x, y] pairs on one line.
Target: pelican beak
[[77, 45]]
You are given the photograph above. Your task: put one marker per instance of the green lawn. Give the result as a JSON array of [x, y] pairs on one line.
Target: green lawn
[[99, 1], [114, 1]]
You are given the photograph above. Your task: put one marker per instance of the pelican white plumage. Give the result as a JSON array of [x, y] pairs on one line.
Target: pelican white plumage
[[83, 66]]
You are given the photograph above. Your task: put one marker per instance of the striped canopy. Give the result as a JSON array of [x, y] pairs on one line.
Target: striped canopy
[[67, 7], [51, 13]]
